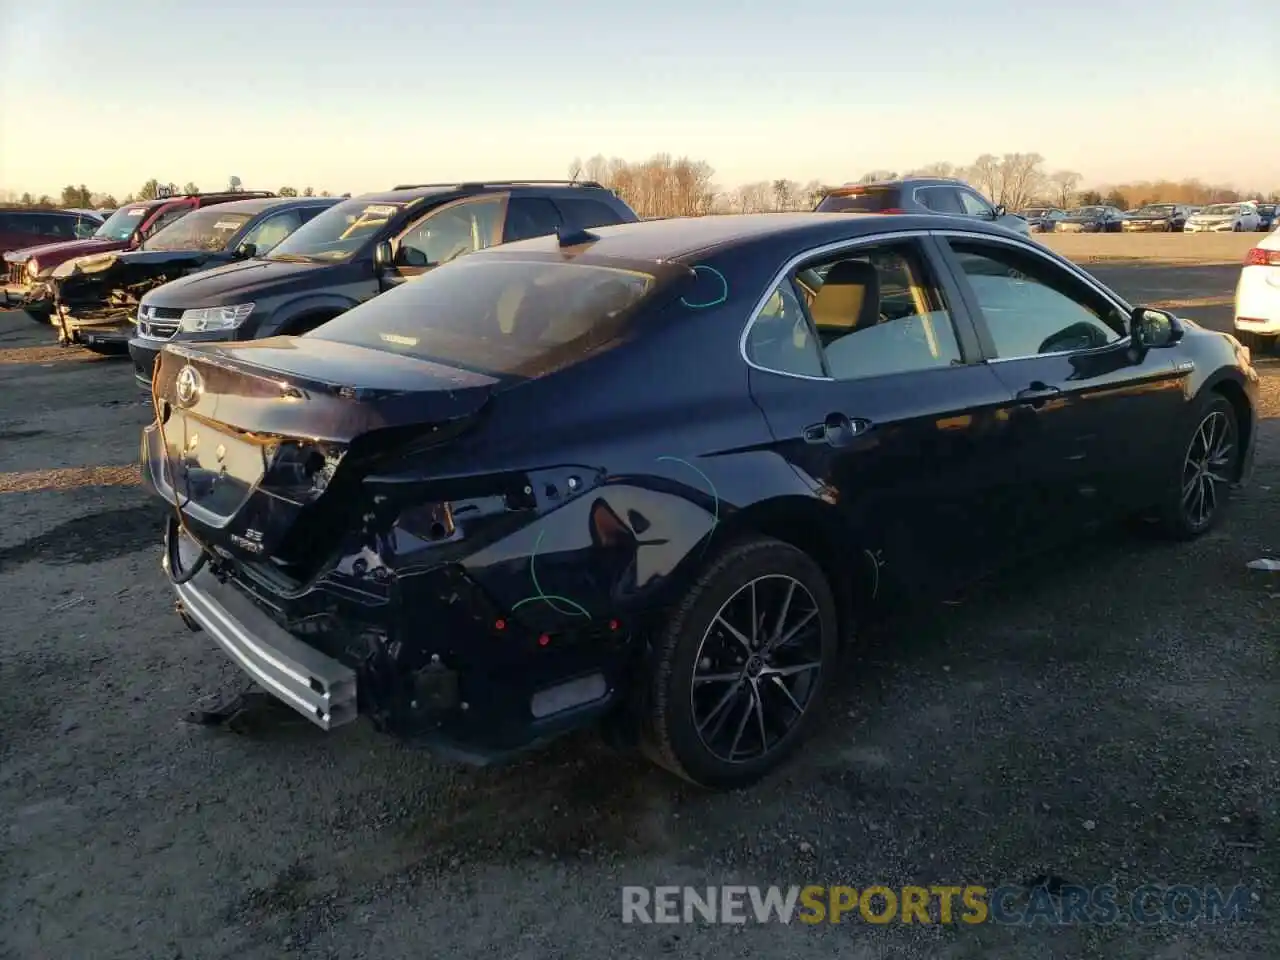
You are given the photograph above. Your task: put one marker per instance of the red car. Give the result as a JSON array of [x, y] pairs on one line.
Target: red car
[[28, 269], [26, 226]]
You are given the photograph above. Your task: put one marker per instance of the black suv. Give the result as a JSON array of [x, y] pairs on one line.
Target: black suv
[[355, 251]]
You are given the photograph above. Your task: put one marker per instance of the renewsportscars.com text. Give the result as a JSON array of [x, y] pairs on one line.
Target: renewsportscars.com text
[[938, 904]]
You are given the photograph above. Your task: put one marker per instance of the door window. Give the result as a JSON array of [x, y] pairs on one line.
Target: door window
[[975, 206], [1031, 306], [272, 230], [871, 312], [451, 231], [163, 220], [940, 199], [530, 217], [584, 213], [781, 339]]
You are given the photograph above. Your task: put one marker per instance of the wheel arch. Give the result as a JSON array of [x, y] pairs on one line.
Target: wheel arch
[[1234, 394], [306, 314], [817, 529]]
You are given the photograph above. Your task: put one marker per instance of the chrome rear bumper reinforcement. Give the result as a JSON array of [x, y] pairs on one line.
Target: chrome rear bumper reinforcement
[[312, 683]]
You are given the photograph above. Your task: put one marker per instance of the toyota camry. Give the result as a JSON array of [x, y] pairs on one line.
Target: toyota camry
[[650, 476]]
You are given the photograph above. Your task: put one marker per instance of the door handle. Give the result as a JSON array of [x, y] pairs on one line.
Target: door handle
[[1036, 393], [836, 430]]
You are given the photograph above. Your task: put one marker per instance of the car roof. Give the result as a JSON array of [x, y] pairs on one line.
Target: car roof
[[467, 188], [259, 204], [682, 238]]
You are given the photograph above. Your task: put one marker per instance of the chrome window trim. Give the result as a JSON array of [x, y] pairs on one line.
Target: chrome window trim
[[1045, 254], [785, 272]]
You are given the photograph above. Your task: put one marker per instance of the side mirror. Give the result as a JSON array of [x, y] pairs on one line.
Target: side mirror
[[999, 211], [382, 255], [247, 251], [1152, 329]]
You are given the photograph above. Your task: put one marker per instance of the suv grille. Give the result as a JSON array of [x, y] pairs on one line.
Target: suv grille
[[17, 273], [158, 323]]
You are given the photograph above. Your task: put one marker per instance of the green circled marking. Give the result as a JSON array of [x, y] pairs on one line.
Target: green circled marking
[[548, 599], [715, 497]]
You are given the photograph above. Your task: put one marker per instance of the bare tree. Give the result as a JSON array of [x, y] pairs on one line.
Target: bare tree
[[939, 168], [984, 174], [1064, 183], [871, 176], [1020, 179]]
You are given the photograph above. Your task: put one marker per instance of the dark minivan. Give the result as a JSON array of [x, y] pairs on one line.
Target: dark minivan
[[355, 251]]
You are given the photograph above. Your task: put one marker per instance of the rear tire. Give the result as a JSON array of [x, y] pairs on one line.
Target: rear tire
[[1208, 462], [742, 666]]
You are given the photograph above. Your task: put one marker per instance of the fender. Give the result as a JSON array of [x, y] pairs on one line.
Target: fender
[[286, 316]]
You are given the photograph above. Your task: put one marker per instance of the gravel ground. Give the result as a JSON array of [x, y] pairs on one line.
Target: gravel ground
[[1108, 714]]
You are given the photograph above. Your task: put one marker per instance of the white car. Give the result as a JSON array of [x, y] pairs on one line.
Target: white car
[[1258, 296], [1218, 217]]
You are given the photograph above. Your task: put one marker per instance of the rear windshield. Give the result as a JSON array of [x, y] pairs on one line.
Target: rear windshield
[[519, 317], [207, 229], [862, 200]]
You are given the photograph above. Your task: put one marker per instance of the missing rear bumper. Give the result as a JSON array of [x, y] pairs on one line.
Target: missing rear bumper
[[312, 683]]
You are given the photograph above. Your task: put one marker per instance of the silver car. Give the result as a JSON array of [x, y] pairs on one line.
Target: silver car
[[920, 195]]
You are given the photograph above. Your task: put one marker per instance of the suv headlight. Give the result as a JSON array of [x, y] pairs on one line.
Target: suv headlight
[[206, 319], [33, 268]]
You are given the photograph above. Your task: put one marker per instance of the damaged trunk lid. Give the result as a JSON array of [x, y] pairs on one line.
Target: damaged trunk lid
[[261, 444]]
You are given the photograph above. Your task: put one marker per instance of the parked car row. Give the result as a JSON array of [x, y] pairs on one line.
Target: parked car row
[[1161, 217]]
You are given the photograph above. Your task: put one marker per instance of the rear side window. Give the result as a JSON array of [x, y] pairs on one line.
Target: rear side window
[[530, 217], [521, 317], [861, 200], [584, 213]]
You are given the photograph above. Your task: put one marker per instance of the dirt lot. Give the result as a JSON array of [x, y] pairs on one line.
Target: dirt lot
[[1109, 715]]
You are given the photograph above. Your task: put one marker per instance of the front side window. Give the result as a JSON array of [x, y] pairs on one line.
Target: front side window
[[163, 220], [269, 233], [940, 199], [975, 206], [339, 233], [449, 232], [1031, 306], [86, 228], [207, 229], [499, 314], [121, 224]]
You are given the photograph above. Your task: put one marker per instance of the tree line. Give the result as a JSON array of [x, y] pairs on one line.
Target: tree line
[[81, 197], [665, 187]]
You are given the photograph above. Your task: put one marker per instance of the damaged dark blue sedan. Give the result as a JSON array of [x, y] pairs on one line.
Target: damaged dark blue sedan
[[649, 476]]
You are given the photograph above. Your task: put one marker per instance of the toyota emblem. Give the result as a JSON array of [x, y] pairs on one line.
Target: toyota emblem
[[188, 385]]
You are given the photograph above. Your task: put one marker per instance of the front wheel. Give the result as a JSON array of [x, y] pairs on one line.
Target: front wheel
[[742, 666], [1197, 493]]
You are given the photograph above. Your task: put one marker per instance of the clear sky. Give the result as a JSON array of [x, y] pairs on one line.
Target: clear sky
[[348, 96]]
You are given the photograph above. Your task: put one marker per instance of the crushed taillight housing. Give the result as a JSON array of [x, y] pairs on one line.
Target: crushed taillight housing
[[1262, 257]]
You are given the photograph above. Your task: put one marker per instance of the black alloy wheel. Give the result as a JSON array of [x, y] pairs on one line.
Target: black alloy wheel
[[1208, 466], [742, 667]]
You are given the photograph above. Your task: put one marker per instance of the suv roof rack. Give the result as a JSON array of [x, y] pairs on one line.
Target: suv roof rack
[[166, 193], [476, 184]]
